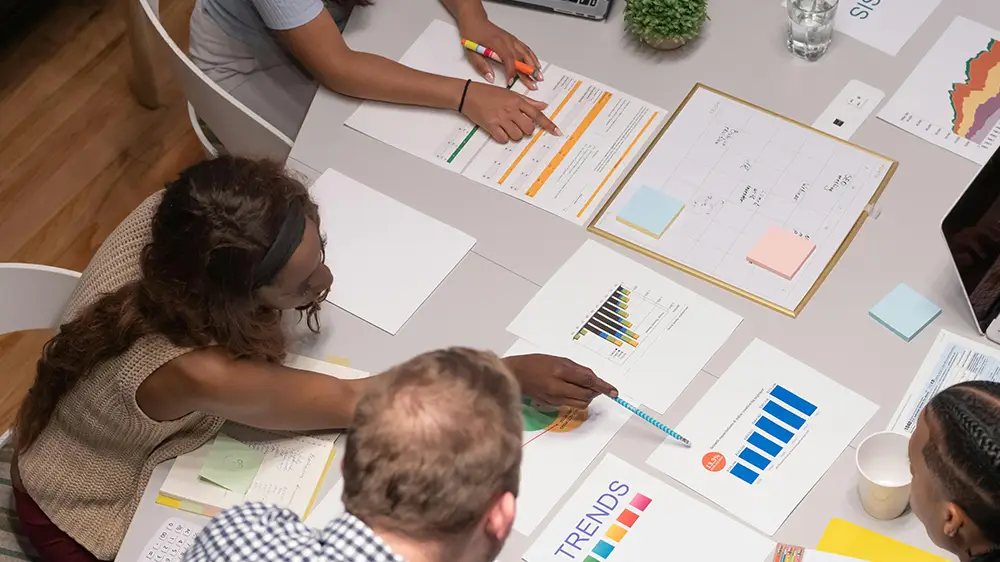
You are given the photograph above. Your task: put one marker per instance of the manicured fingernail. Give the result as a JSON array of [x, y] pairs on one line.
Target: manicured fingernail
[[614, 394], [510, 81], [532, 86], [489, 77], [540, 76], [558, 132]]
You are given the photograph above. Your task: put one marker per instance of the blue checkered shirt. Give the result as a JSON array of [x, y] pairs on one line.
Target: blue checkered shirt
[[255, 532]]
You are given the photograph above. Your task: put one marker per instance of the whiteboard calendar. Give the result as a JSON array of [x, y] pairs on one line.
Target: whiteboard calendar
[[711, 193]]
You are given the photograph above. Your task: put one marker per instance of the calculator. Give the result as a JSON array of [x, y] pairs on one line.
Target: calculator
[[171, 541]]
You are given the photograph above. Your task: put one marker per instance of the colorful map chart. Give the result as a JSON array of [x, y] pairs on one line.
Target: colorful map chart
[[952, 97], [977, 100]]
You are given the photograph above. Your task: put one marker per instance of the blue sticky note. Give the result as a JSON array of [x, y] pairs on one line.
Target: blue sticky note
[[650, 211], [905, 312]]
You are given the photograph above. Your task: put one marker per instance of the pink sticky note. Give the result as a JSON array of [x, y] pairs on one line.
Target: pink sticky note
[[640, 502], [780, 251]]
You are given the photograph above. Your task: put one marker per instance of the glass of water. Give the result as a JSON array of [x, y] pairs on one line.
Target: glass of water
[[810, 27]]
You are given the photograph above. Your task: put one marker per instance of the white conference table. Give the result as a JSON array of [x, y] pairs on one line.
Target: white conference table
[[519, 247]]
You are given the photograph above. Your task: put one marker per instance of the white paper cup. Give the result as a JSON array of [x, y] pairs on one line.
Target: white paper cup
[[884, 464]]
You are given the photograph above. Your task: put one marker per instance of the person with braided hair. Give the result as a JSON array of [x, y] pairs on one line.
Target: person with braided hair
[[955, 460]]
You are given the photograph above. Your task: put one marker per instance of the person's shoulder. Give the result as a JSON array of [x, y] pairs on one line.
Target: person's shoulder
[[268, 528]]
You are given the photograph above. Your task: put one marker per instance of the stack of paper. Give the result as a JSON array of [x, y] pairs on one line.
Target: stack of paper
[[290, 473], [247, 464]]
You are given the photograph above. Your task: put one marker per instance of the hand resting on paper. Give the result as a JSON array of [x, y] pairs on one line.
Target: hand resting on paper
[[557, 381], [504, 114]]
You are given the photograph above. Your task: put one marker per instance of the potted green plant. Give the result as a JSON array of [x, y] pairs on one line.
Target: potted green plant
[[665, 24]]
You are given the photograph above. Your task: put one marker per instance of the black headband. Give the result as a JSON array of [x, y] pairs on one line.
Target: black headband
[[285, 243]]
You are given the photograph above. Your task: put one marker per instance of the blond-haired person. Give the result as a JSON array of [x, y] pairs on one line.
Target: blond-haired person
[[431, 471]]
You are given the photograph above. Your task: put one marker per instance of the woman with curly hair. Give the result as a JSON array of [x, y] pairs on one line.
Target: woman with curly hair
[[175, 327], [955, 459]]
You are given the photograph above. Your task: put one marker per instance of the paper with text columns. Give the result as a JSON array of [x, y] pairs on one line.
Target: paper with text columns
[[623, 514]]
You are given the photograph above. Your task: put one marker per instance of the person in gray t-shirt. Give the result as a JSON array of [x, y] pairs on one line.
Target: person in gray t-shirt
[[270, 55]]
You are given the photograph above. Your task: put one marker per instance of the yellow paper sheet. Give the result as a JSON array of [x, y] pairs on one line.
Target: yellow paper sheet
[[848, 539]]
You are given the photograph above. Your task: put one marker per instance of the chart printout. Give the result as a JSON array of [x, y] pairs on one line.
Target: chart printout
[[632, 326], [763, 435], [558, 446], [952, 97]]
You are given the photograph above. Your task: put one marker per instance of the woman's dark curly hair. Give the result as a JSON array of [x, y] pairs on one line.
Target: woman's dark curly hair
[[212, 228]]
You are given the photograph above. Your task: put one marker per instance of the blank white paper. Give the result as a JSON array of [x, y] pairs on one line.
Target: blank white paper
[[386, 258], [764, 435]]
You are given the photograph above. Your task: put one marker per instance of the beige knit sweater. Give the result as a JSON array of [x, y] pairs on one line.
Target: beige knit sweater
[[90, 465]]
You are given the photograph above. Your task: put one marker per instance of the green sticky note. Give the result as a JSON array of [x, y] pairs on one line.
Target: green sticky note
[[231, 464]]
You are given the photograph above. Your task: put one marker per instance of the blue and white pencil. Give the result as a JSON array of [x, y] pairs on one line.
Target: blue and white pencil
[[653, 421]]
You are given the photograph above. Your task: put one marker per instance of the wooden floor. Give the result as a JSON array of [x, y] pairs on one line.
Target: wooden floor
[[77, 153]]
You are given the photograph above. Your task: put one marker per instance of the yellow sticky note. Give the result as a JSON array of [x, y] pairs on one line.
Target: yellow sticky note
[[848, 539], [336, 360]]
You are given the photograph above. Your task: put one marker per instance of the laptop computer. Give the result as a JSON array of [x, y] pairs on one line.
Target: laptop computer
[[590, 9], [972, 231]]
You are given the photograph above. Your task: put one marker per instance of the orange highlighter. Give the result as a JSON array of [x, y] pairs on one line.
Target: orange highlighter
[[487, 52]]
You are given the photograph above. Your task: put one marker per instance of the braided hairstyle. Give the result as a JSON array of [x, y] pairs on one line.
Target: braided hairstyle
[[963, 451]]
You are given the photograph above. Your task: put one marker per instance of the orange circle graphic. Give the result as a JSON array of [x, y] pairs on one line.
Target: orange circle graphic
[[713, 462]]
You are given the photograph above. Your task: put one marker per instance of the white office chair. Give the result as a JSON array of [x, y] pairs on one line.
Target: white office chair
[[241, 131], [32, 297]]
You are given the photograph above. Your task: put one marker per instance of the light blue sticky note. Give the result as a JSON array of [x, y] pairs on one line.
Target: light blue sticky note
[[905, 312], [650, 211]]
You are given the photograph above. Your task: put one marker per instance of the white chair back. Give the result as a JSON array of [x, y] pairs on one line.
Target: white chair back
[[241, 131], [32, 297]]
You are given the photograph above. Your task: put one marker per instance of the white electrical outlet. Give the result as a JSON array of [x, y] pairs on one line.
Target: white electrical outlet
[[849, 110]]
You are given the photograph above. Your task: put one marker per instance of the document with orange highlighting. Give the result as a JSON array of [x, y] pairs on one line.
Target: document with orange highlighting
[[604, 132]]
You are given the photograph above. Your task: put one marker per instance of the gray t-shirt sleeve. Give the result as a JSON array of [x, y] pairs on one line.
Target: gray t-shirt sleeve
[[287, 14]]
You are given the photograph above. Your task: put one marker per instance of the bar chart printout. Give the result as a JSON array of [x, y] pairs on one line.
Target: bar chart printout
[[622, 323], [763, 435], [782, 418]]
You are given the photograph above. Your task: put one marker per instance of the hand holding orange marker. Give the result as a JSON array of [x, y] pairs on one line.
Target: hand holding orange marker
[[487, 52]]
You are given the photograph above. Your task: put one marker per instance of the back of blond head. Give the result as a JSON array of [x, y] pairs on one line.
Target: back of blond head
[[435, 444]]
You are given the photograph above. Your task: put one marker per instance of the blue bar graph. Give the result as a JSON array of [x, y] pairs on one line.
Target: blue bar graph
[[755, 458], [793, 400], [768, 426], [765, 444], [784, 415], [743, 473]]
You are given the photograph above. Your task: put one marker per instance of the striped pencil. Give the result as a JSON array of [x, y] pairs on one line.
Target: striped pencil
[[653, 421]]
